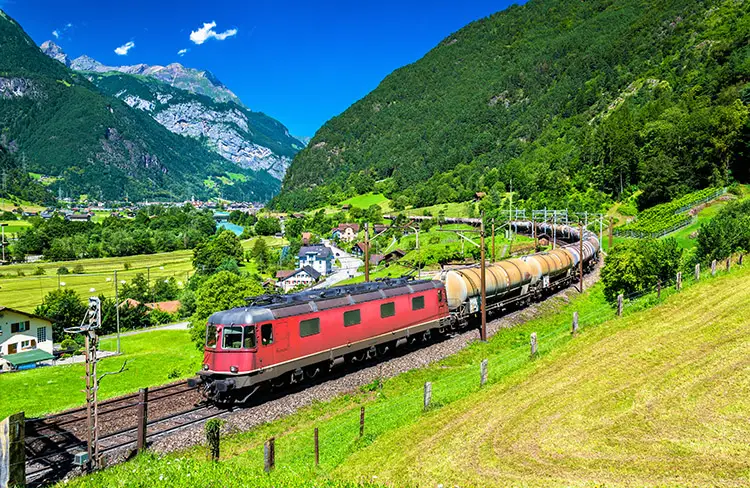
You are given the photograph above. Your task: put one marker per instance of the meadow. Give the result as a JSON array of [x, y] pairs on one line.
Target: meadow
[[22, 288], [655, 397], [154, 358]]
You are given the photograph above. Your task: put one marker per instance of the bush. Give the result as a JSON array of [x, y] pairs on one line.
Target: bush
[[39, 271], [78, 269], [62, 270], [725, 234], [127, 266], [160, 317], [68, 344]]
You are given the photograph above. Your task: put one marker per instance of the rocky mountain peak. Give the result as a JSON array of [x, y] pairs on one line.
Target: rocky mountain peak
[[55, 52]]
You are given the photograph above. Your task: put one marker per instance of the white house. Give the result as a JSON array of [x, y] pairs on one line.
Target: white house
[[345, 232], [319, 258], [25, 339], [305, 276]]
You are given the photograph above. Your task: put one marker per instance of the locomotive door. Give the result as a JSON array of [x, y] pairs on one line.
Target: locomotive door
[[281, 333]]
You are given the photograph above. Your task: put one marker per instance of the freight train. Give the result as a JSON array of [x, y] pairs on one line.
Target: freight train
[[280, 339]]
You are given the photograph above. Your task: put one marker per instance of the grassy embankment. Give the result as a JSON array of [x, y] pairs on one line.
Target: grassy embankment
[[656, 397], [154, 358], [20, 288]]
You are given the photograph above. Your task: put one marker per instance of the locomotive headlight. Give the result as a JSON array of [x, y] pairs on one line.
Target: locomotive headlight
[[205, 367], [233, 369]]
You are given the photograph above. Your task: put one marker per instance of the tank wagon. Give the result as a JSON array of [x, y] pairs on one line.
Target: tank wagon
[[280, 339]]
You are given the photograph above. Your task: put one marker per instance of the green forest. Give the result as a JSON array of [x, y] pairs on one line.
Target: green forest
[[94, 143], [573, 103]]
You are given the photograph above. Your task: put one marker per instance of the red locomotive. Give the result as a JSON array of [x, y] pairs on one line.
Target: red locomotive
[[286, 338]]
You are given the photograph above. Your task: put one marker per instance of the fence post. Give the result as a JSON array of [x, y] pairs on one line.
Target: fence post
[[575, 323], [698, 272], [533, 344], [361, 421], [620, 298], [678, 286], [713, 268], [427, 395], [729, 263], [317, 448], [12, 451], [483, 373], [142, 419], [742, 256], [269, 455]]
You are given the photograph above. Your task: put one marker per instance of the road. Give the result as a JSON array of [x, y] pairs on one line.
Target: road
[[348, 269], [175, 326]]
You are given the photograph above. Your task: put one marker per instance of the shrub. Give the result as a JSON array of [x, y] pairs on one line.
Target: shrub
[[78, 269], [62, 270], [39, 271]]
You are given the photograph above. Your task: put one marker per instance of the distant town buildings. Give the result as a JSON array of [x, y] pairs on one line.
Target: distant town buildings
[[289, 280], [345, 232], [318, 257]]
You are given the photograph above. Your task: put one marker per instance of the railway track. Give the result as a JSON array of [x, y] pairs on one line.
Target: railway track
[[53, 441]]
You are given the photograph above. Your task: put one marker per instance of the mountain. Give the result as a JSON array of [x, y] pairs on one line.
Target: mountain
[[196, 104], [94, 143], [574, 102]]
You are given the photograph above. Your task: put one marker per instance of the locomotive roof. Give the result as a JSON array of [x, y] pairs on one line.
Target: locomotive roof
[[269, 307]]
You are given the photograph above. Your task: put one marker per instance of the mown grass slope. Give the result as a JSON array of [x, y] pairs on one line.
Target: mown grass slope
[[655, 398]]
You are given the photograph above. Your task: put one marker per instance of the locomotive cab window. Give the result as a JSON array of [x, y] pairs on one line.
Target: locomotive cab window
[[248, 341], [352, 317], [266, 334], [440, 295], [211, 335], [232, 337], [417, 303], [387, 310], [309, 327]]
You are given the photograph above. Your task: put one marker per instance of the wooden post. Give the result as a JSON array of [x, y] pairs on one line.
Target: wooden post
[[658, 289], [619, 304], [698, 272], [142, 419], [269, 455], [739, 261], [729, 263], [493, 240], [367, 252], [575, 323], [483, 373], [427, 395], [12, 451], [713, 268], [317, 448], [678, 286], [362, 421], [483, 284], [611, 236], [533, 345]]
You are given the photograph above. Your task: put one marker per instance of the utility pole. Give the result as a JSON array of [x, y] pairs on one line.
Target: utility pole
[[580, 257], [2, 239], [554, 230], [493, 240], [367, 252], [117, 311], [611, 237], [483, 332]]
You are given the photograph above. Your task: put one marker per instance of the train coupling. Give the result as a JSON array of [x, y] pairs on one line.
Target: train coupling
[[195, 381]]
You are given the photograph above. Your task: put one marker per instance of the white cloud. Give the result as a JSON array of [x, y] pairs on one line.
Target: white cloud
[[68, 25], [182, 52], [207, 32], [123, 50], [56, 34]]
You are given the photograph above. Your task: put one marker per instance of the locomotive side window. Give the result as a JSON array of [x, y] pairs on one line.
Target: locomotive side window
[[352, 317], [211, 335], [266, 334], [309, 327], [249, 339], [232, 336], [387, 310], [417, 303], [440, 295]]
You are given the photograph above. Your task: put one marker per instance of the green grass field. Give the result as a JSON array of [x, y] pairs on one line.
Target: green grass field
[[151, 357], [367, 200], [27, 291], [655, 398]]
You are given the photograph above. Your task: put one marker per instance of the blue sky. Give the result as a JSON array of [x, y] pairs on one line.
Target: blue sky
[[300, 62]]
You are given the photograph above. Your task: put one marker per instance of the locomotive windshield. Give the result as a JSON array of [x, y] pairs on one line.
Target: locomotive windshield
[[232, 337], [211, 335]]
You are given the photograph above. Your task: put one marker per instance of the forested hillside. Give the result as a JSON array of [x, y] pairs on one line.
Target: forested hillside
[[96, 144], [573, 101], [16, 182]]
